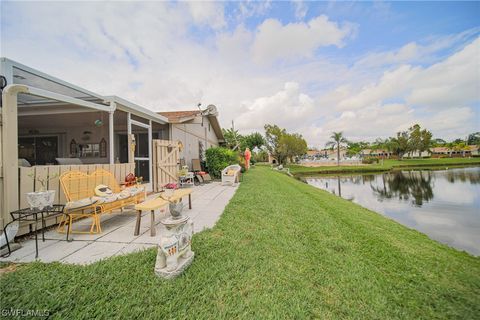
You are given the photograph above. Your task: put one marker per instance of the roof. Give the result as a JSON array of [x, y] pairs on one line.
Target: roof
[[135, 109], [440, 149], [447, 149], [186, 115], [17, 73], [180, 116]]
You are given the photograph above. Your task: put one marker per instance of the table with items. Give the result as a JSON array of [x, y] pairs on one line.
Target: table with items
[[34, 216]]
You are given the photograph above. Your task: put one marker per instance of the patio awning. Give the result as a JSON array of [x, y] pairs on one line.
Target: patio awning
[[17, 73]]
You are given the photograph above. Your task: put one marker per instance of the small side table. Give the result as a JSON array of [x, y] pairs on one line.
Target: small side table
[[187, 180], [33, 215]]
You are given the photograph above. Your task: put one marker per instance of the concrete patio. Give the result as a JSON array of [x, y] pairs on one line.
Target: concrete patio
[[208, 203]]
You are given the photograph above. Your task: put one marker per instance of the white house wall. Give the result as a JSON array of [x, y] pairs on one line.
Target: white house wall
[[190, 134]]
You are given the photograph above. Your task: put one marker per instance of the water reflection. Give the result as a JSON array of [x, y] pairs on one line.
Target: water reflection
[[415, 185], [444, 204]]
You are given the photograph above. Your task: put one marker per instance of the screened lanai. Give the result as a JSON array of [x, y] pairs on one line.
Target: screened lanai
[[47, 122]]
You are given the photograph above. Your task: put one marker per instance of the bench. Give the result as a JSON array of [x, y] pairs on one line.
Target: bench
[[178, 194], [149, 205], [79, 188]]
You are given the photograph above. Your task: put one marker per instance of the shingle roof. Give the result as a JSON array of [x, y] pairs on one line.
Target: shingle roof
[[177, 115]]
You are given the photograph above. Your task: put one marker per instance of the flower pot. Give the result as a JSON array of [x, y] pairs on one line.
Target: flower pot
[[41, 199], [168, 192], [176, 209]]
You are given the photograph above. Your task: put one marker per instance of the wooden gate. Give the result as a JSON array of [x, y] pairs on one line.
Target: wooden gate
[[165, 163]]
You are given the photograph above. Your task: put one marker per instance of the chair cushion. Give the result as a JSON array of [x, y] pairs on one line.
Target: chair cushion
[[106, 199], [231, 172], [80, 203], [135, 190]]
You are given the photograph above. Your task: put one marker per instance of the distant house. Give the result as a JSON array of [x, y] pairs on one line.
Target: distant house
[[468, 151], [474, 150], [375, 153], [332, 153], [197, 130]]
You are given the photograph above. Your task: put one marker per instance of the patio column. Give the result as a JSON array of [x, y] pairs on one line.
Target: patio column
[[150, 142], [129, 138], [111, 136], [9, 153]]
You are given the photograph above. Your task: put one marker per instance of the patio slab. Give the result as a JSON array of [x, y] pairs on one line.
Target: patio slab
[[117, 237]]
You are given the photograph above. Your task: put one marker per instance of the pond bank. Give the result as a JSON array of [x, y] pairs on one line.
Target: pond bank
[[388, 165]]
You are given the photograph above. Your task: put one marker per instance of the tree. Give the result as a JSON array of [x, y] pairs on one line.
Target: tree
[[252, 140], [292, 145], [337, 140], [400, 144], [354, 148], [426, 140], [273, 133], [232, 138], [473, 139], [438, 142], [418, 139]]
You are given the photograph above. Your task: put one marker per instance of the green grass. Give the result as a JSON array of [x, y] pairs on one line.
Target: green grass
[[387, 166], [281, 250]]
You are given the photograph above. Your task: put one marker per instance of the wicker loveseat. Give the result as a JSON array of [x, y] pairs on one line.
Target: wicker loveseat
[[79, 188]]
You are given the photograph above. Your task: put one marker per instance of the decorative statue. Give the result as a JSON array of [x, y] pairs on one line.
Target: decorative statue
[[248, 155], [175, 253]]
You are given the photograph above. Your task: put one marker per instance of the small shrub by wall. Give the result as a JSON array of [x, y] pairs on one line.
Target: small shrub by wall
[[370, 160], [218, 158]]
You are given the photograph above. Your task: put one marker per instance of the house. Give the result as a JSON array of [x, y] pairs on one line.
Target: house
[[197, 130], [332, 153], [49, 126], [467, 151], [375, 153]]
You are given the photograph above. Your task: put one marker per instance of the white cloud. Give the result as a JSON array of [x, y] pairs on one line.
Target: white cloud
[[300, 9], [288, 108], [207, 13], [276, 41], [414, 52]]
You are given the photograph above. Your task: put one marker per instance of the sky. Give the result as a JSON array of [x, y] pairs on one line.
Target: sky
[[368, 69]]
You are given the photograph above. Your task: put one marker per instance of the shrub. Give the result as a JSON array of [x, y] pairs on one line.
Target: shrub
[[370, 160], [218, 158]]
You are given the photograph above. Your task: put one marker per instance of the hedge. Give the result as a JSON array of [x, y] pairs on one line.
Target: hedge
[[219, 158]]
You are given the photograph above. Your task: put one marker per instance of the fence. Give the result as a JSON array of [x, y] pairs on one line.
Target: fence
[[165, 163]]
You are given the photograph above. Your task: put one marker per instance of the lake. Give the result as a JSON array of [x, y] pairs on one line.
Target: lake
[[444, 204]]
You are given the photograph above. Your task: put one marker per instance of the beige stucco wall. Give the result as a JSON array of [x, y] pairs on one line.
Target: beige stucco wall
[[190, 134]]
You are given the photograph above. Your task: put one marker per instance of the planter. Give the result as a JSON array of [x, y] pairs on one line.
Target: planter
[[168, 192], [41, 199], [176, 209]]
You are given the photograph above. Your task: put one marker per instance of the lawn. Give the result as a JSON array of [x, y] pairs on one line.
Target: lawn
[[281, 250], [387, 166]]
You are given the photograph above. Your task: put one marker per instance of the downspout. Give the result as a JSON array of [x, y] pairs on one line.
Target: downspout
[[9, 169]]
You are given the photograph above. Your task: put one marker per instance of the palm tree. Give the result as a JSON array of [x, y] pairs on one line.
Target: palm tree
[[337, 140]]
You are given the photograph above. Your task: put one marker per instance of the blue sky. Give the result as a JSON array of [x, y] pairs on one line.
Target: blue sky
[[366, 68]]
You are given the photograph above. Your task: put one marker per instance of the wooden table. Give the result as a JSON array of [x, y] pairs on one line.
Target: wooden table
[[159, 203], [151, 205]]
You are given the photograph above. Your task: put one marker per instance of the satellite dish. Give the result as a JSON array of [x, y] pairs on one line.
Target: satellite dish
[[212, 110]]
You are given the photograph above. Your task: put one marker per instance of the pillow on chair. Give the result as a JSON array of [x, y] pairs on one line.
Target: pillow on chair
[[103, 191]]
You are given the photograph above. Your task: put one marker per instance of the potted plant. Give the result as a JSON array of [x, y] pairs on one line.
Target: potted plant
[[42, 198], [169, 189]]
